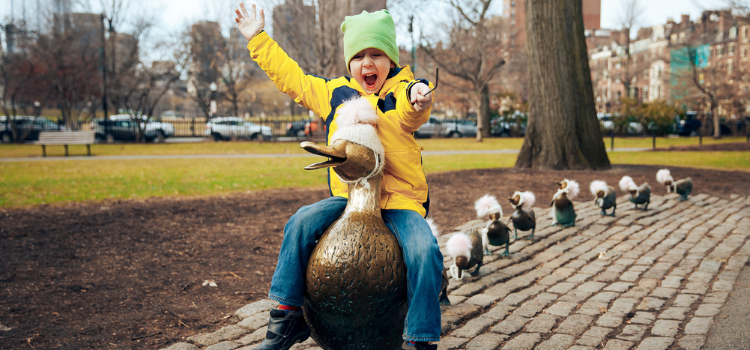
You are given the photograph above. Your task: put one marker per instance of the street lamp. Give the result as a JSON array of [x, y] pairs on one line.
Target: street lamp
[[213, 99]]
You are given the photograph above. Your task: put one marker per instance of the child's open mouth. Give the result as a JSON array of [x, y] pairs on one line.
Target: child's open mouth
[[370, 80]]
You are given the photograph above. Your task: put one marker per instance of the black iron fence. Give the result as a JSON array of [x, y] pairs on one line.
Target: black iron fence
[[197, 127]]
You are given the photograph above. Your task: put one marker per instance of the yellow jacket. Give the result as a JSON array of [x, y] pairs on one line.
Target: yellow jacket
[[404, 185]]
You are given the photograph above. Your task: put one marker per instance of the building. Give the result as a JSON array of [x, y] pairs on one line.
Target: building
[[515, 12], [636, 68], [661, 62], [206, 42]]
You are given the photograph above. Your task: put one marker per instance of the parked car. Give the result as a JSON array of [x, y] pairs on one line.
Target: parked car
[[607, 122], [511, 125], [431, 128], [28, 125], [688, 125], [459, 127], [302, 128], [123, 127], [296, 128], [226, 128]]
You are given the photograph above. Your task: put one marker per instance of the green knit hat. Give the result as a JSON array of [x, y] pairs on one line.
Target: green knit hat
[[369, 30]]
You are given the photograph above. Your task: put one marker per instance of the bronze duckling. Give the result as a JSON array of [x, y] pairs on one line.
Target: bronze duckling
[[355, 280], [604, 196], [523, 218], [563, 213], [466, 250], [638, 194], [682, 187], [443, 298], [495, 232]]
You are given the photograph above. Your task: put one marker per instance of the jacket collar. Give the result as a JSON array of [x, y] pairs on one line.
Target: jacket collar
[[402, 73]]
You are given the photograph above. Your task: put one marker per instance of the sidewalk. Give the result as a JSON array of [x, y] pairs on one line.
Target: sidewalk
[[273, 155], [642, 280]]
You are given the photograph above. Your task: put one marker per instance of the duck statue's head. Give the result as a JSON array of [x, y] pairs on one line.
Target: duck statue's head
[[354, 151], [664, 176], [566, 189], [599, 189], [628, 184], [523, 200], [487, 205]]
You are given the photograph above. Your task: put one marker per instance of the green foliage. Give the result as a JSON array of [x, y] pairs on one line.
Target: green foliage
[[658, 117]]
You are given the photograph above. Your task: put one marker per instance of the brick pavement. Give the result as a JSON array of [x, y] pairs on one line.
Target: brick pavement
[[642, 280]]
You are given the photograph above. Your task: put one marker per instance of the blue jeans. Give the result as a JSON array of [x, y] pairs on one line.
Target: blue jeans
[[424, 262]]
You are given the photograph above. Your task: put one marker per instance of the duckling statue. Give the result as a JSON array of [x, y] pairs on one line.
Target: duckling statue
[[443, 299], [604, 196], [523, 218], [682, 187], [638, 195], [356, 289], [466, 250], [495, 232], [562, 211]]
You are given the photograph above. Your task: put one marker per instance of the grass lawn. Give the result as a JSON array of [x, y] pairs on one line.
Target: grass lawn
[[27, 150], [33, 183]]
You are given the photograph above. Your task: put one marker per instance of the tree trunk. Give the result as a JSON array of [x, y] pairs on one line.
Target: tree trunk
[[563, 131], [717, 127], [483, 117]]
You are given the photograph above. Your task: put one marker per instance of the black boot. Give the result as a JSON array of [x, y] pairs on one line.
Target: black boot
[[285, 328], [409, 346]]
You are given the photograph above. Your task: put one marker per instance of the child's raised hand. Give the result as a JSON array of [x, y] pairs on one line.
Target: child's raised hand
[[247, 23], [418, 99]]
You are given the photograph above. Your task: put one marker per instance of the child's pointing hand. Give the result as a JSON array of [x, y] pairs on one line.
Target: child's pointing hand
[[418, 97], [247, 23]]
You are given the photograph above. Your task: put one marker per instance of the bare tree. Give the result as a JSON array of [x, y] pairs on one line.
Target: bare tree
[[18, 71], [310, 33], [702, 85], [73, 68], [563, 131], [204, 41], [474, 53], [630, 14]]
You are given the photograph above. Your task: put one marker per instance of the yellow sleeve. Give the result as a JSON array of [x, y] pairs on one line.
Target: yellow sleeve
[[409, 118], [310, 91]]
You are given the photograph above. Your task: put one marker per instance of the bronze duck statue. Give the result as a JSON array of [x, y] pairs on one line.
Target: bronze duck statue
[[682, 187], [466, 250], [563, 213], [356, 290], [638, 194], [495, 232], [604, 196], [523, 218]]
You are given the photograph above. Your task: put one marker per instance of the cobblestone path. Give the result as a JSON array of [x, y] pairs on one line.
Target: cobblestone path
[[642, 280]]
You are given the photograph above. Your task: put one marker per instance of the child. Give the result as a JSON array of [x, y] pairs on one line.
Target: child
[[402, 104]]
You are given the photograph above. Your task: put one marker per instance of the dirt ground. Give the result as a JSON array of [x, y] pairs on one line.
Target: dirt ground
[[130, 274]]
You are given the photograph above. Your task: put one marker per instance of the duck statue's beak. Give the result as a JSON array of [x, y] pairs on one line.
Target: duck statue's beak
[[335, 153]]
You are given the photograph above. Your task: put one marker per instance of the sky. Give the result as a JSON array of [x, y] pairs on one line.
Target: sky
[[657, 11], [174, 15]]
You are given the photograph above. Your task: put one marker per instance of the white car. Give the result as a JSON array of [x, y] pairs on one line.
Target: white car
[[226, 128], [429, 129]]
